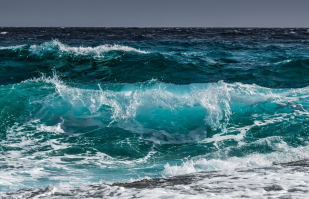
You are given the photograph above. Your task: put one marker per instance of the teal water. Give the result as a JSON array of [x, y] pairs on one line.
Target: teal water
[[82, 110]]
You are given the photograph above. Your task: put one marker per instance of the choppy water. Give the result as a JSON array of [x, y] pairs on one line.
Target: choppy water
[[80, 106]]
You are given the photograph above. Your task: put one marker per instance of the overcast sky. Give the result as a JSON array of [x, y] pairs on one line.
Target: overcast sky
[[155, 13]]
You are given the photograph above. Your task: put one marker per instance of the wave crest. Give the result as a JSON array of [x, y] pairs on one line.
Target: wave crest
[[94, 51]]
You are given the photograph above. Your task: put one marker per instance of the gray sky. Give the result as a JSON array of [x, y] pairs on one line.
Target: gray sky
[[155, 13]]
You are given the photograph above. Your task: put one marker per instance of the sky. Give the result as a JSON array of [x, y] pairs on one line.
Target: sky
[[154, 13]]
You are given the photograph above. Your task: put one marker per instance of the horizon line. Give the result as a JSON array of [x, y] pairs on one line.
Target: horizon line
[[145, 27]]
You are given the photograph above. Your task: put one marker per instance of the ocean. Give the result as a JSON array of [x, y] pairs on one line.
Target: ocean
[[154, 112]]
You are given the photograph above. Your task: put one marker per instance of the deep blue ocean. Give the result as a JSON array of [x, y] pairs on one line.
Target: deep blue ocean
[[81, 106]]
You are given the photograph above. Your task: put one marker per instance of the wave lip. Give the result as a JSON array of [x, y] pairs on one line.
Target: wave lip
[[97, 51]]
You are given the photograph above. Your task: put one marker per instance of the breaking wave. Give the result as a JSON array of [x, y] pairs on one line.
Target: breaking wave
[[199, 127], [55, 46]]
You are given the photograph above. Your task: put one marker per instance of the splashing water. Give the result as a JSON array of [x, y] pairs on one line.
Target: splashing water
[[131, 107]]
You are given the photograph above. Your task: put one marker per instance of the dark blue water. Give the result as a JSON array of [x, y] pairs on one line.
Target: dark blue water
[[84, 105]]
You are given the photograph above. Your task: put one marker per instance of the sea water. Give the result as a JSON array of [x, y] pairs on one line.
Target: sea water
[[93, 112]]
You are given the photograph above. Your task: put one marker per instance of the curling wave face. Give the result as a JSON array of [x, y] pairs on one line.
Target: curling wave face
[[147, 105]]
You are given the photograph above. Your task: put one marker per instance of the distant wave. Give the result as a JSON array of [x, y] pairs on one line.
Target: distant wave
[[55, 46], [11, 47], [121, 63]]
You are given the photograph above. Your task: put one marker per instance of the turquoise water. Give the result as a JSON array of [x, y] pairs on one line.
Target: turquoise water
[[81, 106]]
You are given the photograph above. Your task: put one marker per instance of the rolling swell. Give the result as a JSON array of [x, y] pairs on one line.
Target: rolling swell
[[275, 65]]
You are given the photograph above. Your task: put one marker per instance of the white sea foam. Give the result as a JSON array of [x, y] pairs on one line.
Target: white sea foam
[[3, 33], [95, 51], [11, 47], [283, 153], [56, 128], [256, 182], [21, 167]]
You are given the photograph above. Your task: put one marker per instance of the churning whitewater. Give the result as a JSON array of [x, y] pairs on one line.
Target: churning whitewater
[[155, 112]]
